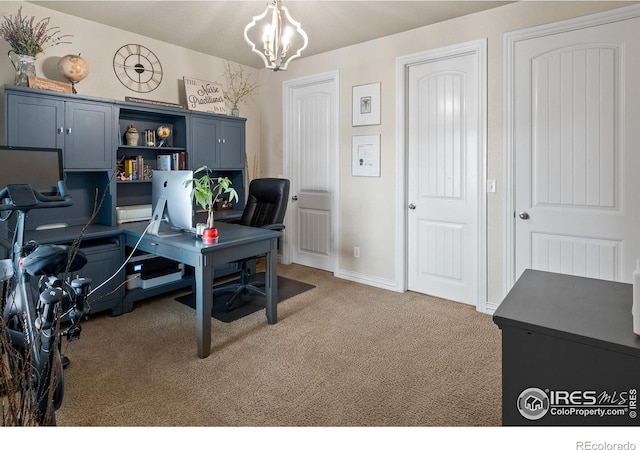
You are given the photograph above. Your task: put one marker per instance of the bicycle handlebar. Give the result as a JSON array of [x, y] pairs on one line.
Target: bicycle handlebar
[[41, 201]]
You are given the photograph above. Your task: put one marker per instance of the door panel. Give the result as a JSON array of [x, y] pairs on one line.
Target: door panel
[[444, 166], [311, 153], [587, 257], [574, 176]]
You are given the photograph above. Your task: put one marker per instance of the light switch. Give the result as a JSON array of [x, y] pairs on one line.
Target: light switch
[[491, 186]]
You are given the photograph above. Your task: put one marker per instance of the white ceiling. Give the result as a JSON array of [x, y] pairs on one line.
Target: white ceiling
[[217, 27]]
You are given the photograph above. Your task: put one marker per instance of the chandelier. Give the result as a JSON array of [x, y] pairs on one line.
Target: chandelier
[[280, 38]]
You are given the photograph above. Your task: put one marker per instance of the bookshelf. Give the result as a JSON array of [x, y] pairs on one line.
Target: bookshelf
[[195, 139], [135, 163]]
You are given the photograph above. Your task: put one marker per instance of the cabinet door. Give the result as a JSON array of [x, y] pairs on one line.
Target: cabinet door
[[34, 122], [102, 262], [232, 145], [89, 135], [205, 133]]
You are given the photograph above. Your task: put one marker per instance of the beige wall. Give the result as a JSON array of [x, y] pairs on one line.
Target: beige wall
[[366, 214], [366, 204]]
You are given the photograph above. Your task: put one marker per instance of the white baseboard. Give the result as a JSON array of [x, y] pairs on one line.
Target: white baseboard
[[391, 285], [382, 283], [491, 308]]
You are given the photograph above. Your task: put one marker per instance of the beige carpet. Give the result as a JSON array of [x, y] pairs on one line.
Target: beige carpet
[[342, 354]]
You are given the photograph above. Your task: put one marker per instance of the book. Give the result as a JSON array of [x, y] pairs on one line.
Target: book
[[163, 162]]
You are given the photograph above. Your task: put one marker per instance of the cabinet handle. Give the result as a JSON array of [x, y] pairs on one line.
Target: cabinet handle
[[60, 130], [224, 141], [68, 130]]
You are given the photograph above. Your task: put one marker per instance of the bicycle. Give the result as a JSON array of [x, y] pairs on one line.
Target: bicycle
[[33, 382]]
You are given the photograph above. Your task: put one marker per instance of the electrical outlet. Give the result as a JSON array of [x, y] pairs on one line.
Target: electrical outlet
[[356, 252]]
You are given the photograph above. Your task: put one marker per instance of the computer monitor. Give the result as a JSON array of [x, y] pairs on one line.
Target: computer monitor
[[39, 167], [171, 201]]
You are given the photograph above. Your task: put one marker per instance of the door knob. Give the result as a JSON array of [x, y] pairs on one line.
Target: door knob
[[294, 198], [412, 206], [523, 215]]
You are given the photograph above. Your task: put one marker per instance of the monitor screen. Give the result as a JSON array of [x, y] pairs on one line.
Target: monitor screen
[[171, 201], [39, 167]]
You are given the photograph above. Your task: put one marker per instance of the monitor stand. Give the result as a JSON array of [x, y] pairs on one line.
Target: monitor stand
[[157, 219]]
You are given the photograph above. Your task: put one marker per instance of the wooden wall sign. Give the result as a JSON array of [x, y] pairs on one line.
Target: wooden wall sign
[[48, 85], [206, 96]]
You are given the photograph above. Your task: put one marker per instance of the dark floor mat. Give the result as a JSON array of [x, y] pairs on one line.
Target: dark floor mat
[[249, 304]]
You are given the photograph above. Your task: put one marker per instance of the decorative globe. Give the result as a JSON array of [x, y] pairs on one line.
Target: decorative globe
[[73, 68], [163, 132]]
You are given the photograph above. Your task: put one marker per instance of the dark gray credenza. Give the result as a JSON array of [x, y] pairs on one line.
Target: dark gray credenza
[[90, 131], [569, 354]]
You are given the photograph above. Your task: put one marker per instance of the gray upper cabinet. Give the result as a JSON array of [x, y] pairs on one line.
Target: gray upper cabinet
[[232, 147], [218, 143], [33, 121], [89, 135], [84, 130]]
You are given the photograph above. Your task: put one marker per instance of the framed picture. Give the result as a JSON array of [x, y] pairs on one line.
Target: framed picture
[[366, 104], [365, 156]]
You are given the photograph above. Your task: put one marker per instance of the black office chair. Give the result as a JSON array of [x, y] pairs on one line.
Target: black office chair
[[266, 207]]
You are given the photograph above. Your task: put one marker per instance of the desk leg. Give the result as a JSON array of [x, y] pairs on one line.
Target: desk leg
[[271, 283], [204, 303]]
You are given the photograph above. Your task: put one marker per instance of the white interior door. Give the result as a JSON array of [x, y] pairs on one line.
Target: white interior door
[[311, 118], [576, 159], [445, 175]]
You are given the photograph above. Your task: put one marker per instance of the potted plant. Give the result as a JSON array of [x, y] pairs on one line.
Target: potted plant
[[27, 39], [206, 191]]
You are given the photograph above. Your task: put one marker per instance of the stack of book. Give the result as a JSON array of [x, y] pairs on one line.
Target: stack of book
[[134, 168], [173, 161]]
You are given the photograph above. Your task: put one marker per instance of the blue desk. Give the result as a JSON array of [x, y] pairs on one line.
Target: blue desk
[[234, 242]]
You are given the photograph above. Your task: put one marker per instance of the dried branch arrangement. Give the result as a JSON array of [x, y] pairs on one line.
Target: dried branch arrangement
[[28, 37], [16, 385], [239, 85]]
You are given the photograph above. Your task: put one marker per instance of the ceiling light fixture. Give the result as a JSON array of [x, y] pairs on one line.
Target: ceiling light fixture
[[281, 38]]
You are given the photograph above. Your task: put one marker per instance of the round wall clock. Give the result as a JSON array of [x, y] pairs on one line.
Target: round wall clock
[[137, 68]]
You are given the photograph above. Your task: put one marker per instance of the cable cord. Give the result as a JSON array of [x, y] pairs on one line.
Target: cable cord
[[124, 263]]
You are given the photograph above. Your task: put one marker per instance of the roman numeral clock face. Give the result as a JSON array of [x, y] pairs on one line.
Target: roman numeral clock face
[[137, 68]]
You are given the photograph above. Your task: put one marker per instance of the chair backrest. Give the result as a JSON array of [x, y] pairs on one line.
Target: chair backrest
[[267, 202]]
